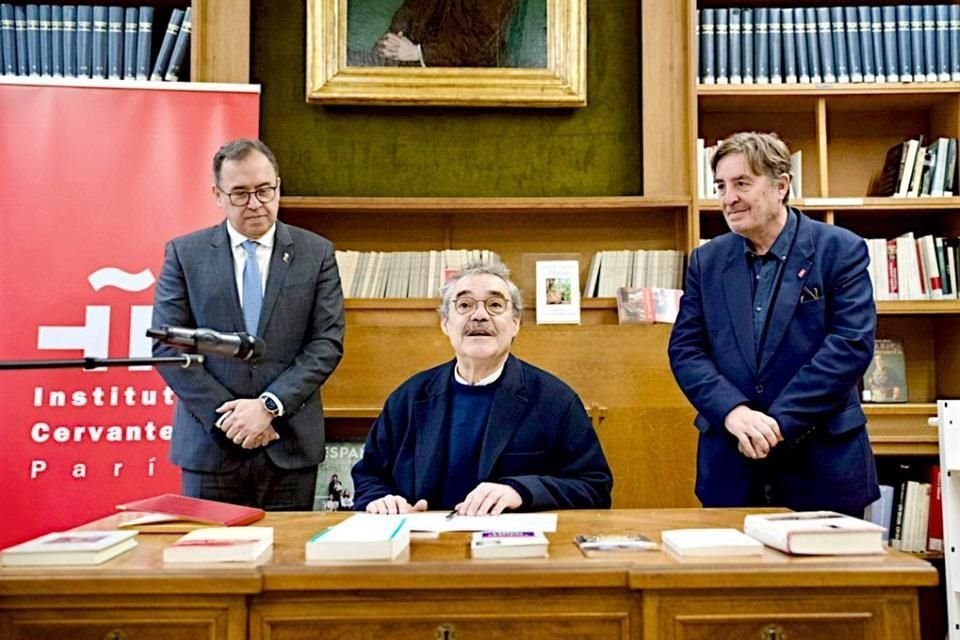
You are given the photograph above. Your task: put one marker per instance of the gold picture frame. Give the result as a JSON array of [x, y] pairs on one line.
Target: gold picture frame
[[560, 82]]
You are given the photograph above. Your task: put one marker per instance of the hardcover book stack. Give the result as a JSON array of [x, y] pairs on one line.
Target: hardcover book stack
[[911, 268], [100, 42], [826, 45]]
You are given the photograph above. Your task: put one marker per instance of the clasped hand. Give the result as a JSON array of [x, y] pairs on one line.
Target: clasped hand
[[487, 498], [756, 432], [247, 424]]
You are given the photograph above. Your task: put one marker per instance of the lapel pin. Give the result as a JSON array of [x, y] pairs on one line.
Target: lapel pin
[[286, 257], [802, 272]]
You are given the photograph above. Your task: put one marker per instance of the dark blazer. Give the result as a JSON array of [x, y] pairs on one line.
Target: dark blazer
[[301, 324], [539, 440], [819, 342]]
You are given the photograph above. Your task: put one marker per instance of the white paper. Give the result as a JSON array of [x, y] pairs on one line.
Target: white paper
[[437, 521]]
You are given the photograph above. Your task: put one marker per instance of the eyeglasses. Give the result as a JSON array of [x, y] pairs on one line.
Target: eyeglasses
[[241, 198], [495, 305]]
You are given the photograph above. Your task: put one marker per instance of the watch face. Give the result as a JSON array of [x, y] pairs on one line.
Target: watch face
[[270, 405]]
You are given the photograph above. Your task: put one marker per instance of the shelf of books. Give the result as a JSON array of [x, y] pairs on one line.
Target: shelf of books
[[171, 40]]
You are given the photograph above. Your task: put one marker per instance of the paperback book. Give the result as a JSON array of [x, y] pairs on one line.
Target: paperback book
[[558, 292], [616, 542], [508, 544], [364, 536], [886, 377], [815, 533], [334, 482], [710, 542], [220, 544], [69, 548]]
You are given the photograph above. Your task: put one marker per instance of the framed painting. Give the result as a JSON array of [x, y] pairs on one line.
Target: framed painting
[[526, 53]]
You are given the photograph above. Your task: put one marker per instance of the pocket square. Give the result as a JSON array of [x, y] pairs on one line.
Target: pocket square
[[810, 294]]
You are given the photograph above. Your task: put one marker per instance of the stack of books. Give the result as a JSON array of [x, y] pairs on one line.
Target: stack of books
[[69, 548]]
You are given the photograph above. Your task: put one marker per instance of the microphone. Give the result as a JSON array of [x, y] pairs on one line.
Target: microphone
[[231, 345]]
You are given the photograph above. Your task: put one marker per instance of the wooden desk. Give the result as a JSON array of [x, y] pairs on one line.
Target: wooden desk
[[439, 592]]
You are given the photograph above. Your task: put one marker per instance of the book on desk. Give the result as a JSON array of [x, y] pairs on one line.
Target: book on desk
[[363, 536], [715, 542], [815, 533], [69, 548], [220, 544], [171, 513]]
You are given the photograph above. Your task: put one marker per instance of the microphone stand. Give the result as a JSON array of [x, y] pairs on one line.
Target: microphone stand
[[185, 360]]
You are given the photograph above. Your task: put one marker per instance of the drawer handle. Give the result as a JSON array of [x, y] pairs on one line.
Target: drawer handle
[[446, 632], [116, 634], [773, 632]]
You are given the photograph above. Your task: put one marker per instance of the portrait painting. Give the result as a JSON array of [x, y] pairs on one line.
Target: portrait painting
[[447, 52]]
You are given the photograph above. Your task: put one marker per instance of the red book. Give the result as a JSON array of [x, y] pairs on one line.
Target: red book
[[935, 521], [196, 509]]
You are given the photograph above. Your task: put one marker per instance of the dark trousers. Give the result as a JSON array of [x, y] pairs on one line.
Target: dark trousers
[[255, 482]]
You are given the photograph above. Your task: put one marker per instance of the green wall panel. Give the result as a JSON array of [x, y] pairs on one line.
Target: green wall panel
[[445, 151]]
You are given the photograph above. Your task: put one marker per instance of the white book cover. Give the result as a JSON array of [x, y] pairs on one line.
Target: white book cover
[[220, 544], [558, 292], [364, 536], [815, 533], [508, 544], [69, 547], [717, 542]]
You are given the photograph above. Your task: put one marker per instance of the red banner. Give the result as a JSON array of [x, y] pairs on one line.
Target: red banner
[[96, 180]]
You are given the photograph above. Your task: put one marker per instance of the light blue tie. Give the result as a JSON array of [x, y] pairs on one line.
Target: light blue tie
[[252, 293]]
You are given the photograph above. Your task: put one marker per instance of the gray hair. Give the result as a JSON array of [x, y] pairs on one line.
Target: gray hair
[[240, 149], [766, 154], [480, 268]]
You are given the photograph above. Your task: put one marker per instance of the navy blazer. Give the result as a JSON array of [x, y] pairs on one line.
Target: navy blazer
[[301, 323], [819, 342], [538, 440]]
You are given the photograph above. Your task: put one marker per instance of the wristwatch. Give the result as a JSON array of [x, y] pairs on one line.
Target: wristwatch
[[270, 405]]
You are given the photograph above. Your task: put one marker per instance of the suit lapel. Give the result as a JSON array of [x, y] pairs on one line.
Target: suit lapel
[[222, 270], [795, 273], [509, 404], [280, 261], [430, 415], [736, 281]]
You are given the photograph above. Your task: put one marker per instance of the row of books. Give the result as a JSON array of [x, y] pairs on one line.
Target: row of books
[[909, 268], [83, 41], [912, 170], [771, 45], [610, 270], [706, 189], [403, 274], [911, 509]]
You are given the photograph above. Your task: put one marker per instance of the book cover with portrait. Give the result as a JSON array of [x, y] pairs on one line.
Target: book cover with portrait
[[558, 291], [334, 483], [886, 377]]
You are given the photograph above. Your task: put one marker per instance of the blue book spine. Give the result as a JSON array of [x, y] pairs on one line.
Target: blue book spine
[[879, 61], [56, 37], [852, 24], [789, 37], [800, 39], [955, 42], [722, 46], [839, 44], [169, 39], [99, 42], [115, 42], [708, 74], [866, 44], [891, 44], [130, 27], [936, 23], [33, 40], [180, 48], [774, 26], [825, 38], [46, 41], [917, 47], [904, 44], [8, 39], [746, 41], [736, 74], [20, 31], [144, 42], [761, 45], [84, 42], [69, 41], [813, 44]]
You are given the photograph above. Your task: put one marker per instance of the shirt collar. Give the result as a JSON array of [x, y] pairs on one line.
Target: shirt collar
[[493, 377], [237, 238], [781, 246]]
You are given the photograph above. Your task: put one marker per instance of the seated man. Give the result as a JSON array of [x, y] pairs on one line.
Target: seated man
[[486, 432]]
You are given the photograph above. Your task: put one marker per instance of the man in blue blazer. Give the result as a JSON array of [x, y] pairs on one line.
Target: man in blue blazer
[[775, 329], [486, 432], [251, 432]]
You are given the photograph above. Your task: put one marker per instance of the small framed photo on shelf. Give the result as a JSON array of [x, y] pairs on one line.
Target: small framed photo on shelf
[[558, 291], [886, 377]]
